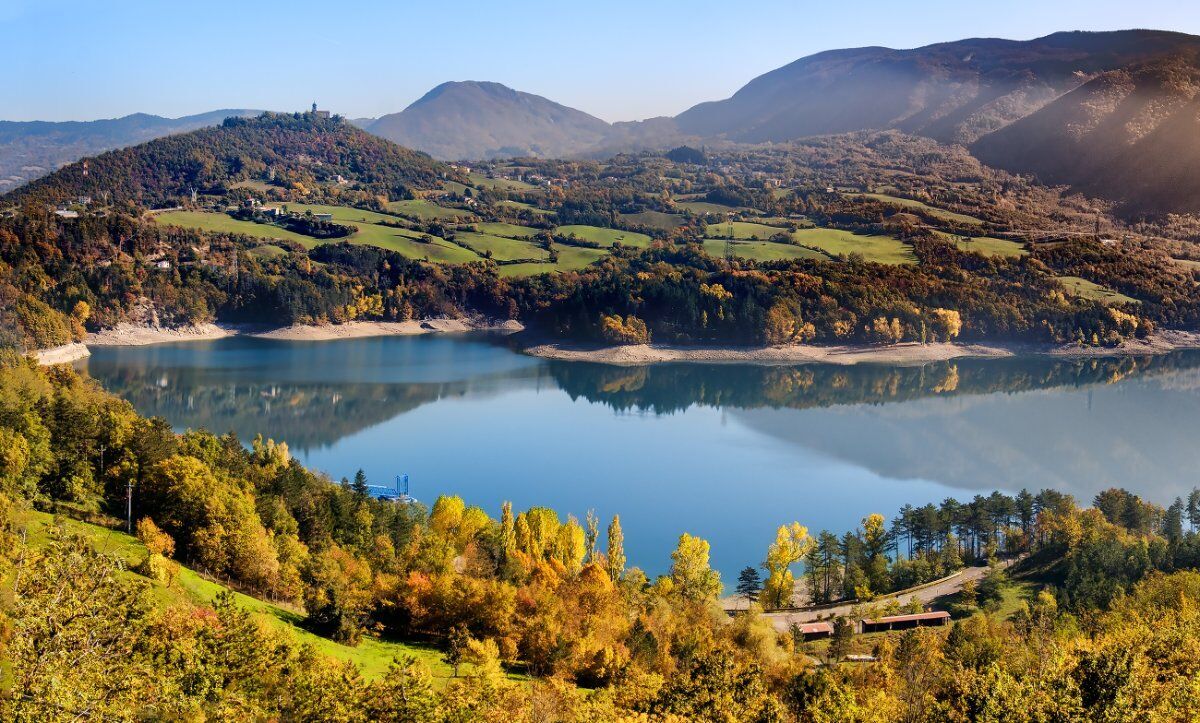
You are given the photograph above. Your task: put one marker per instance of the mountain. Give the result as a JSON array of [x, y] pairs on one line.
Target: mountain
[[31, 149], [953, 92], [1130, 135], [300, 148], [476, 120]]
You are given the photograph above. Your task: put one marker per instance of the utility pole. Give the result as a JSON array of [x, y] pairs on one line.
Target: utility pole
[[129, 506]]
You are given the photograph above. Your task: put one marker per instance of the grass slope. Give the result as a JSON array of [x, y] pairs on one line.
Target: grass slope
[[222, 223], [605, 236], [931, 210], [428, 211], [1081, 287], [372, 657], [761, 250], [987, 245]]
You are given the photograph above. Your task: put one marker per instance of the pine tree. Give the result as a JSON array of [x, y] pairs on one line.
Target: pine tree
[[360, 484], [749, 583]]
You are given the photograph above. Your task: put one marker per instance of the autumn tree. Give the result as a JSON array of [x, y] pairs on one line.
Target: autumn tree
[[691, 576], [792, 543]]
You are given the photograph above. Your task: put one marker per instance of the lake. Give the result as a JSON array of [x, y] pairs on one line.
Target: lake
[[726, 452]]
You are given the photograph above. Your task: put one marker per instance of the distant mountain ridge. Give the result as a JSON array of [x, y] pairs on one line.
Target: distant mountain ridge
[[476, 120], [1110, 113], [953, 92], [31, 149]]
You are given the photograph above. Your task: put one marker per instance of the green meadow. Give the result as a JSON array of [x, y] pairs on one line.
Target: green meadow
[[1081, 287], [423, 210], [508, 230], [761, 250], [987, 245], [502, 248], [605, 236], [879, 249], [743, 230], [223, 223]]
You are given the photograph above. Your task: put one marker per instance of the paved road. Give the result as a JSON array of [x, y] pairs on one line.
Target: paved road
[[949, 586]]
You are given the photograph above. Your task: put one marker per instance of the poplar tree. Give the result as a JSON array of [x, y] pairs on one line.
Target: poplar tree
[[616, 549]]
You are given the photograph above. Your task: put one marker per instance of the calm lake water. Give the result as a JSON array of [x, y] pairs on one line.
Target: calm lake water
[[727, 452]]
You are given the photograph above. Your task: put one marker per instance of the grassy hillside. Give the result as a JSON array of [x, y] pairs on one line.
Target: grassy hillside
[[372, 657]]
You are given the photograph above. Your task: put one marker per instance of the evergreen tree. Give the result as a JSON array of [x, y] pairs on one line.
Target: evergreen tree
[[360, 484], [749, 583]]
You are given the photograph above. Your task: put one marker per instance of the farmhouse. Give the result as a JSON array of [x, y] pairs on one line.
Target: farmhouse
[[815, 631], [904, 622]]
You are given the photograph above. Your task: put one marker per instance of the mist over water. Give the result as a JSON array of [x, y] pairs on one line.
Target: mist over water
[[722, 451]]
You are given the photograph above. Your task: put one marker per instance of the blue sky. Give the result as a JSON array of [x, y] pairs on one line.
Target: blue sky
[[619, 60]]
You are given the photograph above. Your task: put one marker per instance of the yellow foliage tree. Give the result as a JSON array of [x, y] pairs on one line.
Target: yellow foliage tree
[[792, 543]]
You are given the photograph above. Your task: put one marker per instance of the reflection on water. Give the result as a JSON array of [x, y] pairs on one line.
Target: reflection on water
[[720, 450]]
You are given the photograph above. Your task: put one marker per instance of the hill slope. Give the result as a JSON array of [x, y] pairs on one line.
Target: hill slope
[[30, 150], [1131, 135], [476, 120], [953, 92], [300, 148]]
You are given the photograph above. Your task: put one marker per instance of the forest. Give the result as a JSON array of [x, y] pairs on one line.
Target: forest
[[1084, 613]]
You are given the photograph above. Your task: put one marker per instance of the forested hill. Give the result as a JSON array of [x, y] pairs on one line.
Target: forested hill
[[294, 151], [32, 149]]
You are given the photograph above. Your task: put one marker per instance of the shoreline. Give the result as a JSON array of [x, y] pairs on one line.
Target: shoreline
[[138, 335], [908, 353]]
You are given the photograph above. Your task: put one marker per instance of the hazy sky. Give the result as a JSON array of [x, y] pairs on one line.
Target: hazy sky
[[617, 59]]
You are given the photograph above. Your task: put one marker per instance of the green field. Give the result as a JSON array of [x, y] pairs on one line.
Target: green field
[[223, 223], [401, 240], [428, 211], [910, 203], [605, 236], [573, 258], [504, 240], [1077, 286], [503, 248], [372, 656], [761, 250], [743, 230], [654, 219], [987, 245], [879, 249], [525, 206], [508, 230]]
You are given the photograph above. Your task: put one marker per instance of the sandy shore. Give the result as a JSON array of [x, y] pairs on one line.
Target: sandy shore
[[359, 329], [135, 335], [908, 353], [64, 354]]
